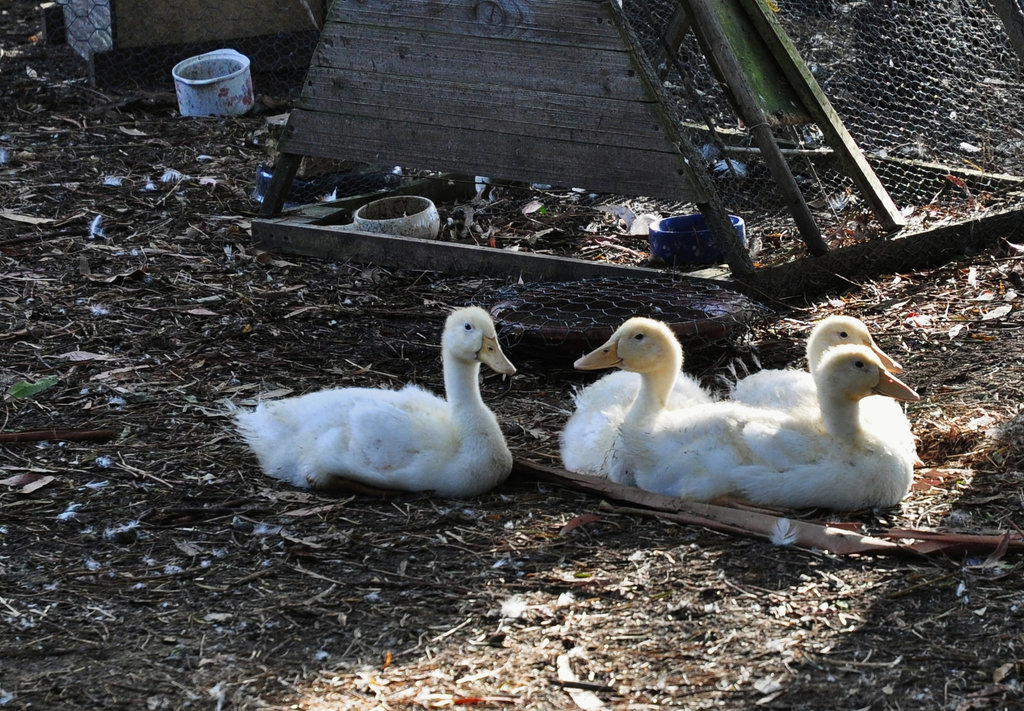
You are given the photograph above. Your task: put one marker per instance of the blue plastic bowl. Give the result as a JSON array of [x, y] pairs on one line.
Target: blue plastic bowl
[[686, 239]]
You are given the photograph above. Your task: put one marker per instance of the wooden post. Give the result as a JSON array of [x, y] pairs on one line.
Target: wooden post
[[737, 256], [1011, 12], [285, 168], [716, 47]]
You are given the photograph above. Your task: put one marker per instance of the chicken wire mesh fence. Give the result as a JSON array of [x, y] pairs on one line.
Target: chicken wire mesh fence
[[932, 92], [136, 43]]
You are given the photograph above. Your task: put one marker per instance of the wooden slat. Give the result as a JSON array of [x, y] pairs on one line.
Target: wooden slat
[[476, 61], [503, 109], [297, 236], [578, 23], [481, 151], [779, 102]]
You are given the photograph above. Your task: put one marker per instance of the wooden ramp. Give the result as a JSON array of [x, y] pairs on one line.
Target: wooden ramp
[[545, 91]]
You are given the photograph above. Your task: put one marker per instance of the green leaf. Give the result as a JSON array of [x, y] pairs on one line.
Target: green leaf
[[26, 389]]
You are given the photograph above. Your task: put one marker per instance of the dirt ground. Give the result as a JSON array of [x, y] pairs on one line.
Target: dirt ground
[[155, 567]]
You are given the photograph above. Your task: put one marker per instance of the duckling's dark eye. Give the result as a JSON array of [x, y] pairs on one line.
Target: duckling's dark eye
[[844, 334], [468, 326], [859, 363], [639, 337]]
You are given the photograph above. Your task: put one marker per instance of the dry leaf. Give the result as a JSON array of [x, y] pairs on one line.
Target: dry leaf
[[1002, 672], [997, 312], [17, 217], [78, 356], [189, 549], [581, 520], [532, 207], [131, 131], [37, 484], [267, 258], [24, 479], [134, 274]]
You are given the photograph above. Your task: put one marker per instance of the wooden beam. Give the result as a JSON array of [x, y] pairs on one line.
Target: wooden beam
[[842, 268], [285, 168], [296, 236], [1011, 12], [690, 162], [825, 116], [718, 49]]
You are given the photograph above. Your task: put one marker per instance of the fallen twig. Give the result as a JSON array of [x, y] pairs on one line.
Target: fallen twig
[[753, 522], [65, 435]]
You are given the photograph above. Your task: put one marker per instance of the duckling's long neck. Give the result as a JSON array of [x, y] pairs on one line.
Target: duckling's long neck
[[840, 415], [655, 387], [462, 387]]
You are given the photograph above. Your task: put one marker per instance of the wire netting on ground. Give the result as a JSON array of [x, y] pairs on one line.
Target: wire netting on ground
[[561, 318], [932, 93]]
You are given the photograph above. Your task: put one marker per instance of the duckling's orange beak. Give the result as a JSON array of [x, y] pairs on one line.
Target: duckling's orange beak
[[891, 386], [491, 354], [606, 356], [887, 362]]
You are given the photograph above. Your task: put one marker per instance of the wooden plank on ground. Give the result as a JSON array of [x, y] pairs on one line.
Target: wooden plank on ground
[[296, 236], [840, 268], [779, 527]]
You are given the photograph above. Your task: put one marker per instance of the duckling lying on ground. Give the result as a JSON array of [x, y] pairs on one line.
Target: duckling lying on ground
[[588, 435], [789, 388], [804, 458], [792, 389], [408, 439]]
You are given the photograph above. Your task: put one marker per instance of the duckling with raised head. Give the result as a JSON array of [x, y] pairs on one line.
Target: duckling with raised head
[[791, 389], [589, 433], [407, 440], [790, 459]]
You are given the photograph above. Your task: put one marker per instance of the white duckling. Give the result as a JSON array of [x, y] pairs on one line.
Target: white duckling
[[768, 456], [588, 435], [408, 439], [790, 388], [793, 389]]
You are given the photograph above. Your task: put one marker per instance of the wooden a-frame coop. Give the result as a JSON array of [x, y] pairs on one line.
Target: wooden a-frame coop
[[547, 91]]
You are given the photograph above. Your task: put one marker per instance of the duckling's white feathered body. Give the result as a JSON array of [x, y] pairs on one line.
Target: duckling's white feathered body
[[587, 438], [408, 439], [794, 391], [768, 456]]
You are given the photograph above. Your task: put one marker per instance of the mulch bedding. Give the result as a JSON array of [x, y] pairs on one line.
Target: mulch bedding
[[153, 566]]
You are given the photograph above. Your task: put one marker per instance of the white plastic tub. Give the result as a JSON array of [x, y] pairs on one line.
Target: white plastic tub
[[217, 83]]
